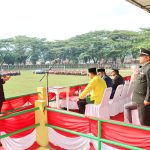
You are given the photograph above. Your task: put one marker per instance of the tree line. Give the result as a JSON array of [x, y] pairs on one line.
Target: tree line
[[93, 47]]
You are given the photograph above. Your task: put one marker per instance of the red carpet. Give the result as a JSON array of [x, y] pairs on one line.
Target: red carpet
[[119, 117]]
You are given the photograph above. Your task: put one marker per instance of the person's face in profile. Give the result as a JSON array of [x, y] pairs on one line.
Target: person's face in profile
[[144, 59], [100, 74], [90, 75], [113, 73]]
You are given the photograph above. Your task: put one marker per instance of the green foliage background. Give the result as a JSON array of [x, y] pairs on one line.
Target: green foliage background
[[92, 46]]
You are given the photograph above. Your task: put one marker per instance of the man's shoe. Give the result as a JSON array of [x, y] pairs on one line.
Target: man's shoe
[[64, 108]]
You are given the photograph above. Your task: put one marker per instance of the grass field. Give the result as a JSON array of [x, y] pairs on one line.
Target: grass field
[[28, 82]]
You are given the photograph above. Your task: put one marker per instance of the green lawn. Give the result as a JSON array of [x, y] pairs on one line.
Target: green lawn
[[28, 82]]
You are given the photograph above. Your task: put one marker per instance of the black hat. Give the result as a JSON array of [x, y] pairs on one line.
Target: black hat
[[100, 70], [116, 70], [92, 70], [144, 51]]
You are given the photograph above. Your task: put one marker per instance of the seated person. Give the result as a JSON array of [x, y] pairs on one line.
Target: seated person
[[96, 87], [118, 80], [102, 73]]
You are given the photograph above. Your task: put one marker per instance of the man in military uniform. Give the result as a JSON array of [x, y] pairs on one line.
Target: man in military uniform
[[2, 97], [141, 93]]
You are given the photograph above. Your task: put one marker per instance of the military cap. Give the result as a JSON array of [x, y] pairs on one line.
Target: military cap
[[100, 70], [92, 70], [144, 51]]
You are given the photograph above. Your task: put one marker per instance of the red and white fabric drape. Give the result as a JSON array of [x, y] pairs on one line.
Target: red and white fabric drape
[[14, 103], [20, 141], [126, 135], [67, 141]]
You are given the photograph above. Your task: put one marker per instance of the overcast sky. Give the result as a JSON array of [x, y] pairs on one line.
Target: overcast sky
[[62, 19]]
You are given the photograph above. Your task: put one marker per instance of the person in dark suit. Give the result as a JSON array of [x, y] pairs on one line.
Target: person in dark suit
[[2, 96], [118, 80], [102, 73], [141, 93]]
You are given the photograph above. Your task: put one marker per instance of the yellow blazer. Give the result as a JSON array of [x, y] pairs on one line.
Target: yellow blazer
[[96, 88]]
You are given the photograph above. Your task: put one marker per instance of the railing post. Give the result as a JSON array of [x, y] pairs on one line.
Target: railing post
[[42, 94], [99, 134], [41, 117]]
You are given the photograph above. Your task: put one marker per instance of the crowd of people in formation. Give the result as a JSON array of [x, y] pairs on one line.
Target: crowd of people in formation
[[99, 81], [69, 72], [10, 73], [63, 72]]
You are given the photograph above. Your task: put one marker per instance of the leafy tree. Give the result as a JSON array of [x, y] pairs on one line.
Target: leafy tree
[[9, 58], [21, 48], [93, 46], [5, 47], [85, 57]]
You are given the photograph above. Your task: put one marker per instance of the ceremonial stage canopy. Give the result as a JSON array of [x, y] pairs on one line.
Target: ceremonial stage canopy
[[144, 4]]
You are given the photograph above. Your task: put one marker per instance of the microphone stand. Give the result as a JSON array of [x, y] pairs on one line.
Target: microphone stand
[[47, 89]]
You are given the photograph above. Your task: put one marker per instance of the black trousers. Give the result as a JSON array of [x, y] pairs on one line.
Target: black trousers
[[82, 103]]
